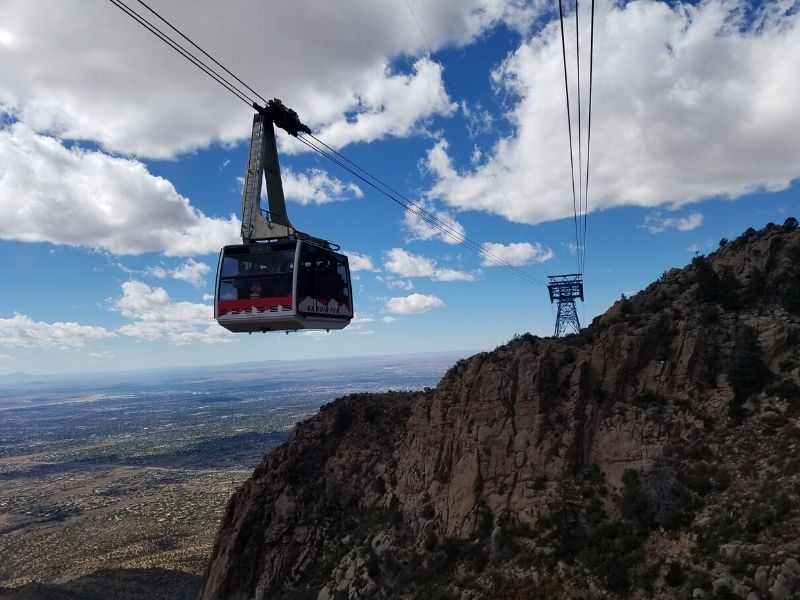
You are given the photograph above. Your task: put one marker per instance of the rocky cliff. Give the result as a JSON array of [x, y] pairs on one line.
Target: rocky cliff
[[656, 454]]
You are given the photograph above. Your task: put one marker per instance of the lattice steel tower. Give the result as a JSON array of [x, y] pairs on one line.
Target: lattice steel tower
[[565, 289]]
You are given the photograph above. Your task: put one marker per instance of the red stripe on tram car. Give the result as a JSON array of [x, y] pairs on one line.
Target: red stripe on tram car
[[260, 304]]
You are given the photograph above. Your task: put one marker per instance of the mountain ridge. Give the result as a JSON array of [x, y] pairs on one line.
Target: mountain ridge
[[608, 462]]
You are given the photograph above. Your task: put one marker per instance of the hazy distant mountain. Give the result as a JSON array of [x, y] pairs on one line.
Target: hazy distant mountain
[[232, 370], [656, 454], [17, 377]]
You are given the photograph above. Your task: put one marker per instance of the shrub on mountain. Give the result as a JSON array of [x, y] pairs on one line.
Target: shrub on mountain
[[675, 576]]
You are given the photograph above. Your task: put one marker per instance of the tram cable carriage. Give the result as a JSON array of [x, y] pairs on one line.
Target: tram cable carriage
[[283, 285], [278, 279]]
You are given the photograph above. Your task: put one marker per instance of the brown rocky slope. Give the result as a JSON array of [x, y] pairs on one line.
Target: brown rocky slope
[[656, 454]]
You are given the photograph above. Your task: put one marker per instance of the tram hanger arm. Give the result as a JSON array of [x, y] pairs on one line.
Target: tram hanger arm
[[263, 164]]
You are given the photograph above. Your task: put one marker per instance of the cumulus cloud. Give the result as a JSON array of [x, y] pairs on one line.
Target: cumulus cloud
[[387, 319], [316, 187], [690, 101], [154, 316], [400, 284], [316, 334], [20, 331], [392, 105], [447, 229], [516, 254], [405, 264], [479, 121], [325, 72], [190, 271], [656, 223], [357, 318], [51, 193], [415, 303], [359, 262]]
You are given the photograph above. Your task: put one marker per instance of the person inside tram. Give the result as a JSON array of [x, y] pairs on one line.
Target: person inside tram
[[256, 288]]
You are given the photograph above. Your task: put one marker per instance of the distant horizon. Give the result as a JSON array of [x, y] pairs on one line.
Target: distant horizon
[[228, 366]]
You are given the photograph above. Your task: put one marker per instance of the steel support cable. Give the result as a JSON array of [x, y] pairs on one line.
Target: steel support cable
[[580, 141], [420, 212], [417, 210], [569, 129], [216, 62], [182, 51], [588, 137], [424, 215], [416, 20], [448, 87]]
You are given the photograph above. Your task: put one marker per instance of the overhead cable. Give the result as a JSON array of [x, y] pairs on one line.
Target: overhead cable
[[569, 129], [416, 209], [588, 137], [580, 143], [169, 41], [216, 62], [461, 105], [332, 154]]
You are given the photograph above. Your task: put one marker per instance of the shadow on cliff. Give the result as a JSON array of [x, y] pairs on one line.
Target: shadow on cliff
[[116, 584]]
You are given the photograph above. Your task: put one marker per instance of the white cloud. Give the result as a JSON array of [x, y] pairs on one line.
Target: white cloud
[[388, 319], [391, 104], [516, 254], [446, 227], [406, 264], [358, 325], [51, 193], [208, 297], [332, 64], [191, 271], [479, 121], [5, 356], [20, 331], [359, 262], [357, 318], [452, 275], [316, 187], [154, 316], [316, 334], [656, 223], [415, 303], [690, 101], [400, 284]]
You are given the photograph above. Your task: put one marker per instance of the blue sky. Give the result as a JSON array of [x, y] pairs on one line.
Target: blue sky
[[121, 165]]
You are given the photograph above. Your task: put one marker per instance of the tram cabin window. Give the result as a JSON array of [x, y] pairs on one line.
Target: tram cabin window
[[323, 276], [250, 276]]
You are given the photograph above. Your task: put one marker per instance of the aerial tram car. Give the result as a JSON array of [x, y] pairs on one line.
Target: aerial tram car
[[278, 278]]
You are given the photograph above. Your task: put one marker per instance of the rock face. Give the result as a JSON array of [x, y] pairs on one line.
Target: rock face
[[656, 454]]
